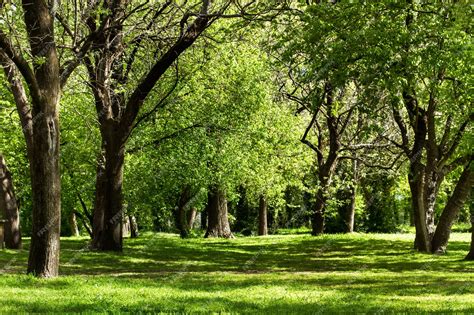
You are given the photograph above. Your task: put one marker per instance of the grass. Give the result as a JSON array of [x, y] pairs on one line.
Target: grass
[[371, 273]]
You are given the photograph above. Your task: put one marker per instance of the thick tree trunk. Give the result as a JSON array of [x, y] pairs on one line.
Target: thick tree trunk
[[181, 220], [108, 212], [45, 178], [262, 216], [9, 206], [218, 222], [99, 202], [242, 212], [204, 219], [133, 227], [318, 217], [451, 210], [73, 224], [415, 179]]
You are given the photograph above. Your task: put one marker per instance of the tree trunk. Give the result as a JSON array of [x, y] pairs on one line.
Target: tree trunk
[[9, 206], [191, 217], [451, 210], [470, 255], [73, 224], [350, 209], [262, 216], [415, 179], [218, 222], [133, 227], [99, 202], [109, 195], [85, 223], [318, 217], [180, 214], [350, 212], [204, 219], [45, 178]]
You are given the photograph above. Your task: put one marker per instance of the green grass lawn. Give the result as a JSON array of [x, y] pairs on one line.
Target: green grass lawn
[[275, 274]]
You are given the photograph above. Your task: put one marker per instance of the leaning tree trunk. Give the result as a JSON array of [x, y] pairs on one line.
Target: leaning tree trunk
[[451, 210], [109, 194], [218, 222], [9, 206], [262, 216]]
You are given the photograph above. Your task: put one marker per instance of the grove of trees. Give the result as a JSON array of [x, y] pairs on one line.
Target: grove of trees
[[233, 118]]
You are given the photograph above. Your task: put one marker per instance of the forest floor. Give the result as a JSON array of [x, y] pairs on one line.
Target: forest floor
[[372, 273]]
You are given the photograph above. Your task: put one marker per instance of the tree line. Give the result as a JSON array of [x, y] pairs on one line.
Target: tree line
[[307, 110]]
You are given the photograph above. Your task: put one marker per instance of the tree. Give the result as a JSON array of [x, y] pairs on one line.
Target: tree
[[111, 68], [42, 76]]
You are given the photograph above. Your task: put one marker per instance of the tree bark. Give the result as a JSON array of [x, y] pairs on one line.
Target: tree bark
[[451, 210], [470, 255], [109, 195], [9, 206], [180, 214], [262, 216], [204, 219], [45, 172], [422, 237], [318, 219], [73, 224], [350, 209], [133, 227], [191, 217], [218, 222]]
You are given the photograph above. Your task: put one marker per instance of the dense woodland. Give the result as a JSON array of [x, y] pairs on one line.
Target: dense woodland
[[231, 118]]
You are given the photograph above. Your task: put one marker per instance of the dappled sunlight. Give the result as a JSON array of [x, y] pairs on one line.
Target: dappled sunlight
[[300, 273]]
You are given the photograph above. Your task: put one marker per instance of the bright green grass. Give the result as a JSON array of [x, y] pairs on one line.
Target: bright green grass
[[277, 274]]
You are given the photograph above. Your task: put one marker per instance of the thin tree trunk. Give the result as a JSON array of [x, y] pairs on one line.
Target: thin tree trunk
[[470, 255], [451, 210], [73, 224], [262, 216], [85, 223], [191, 217], [9, 206], [218, 222], [350, 209], [350, 212], [133, 227]]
